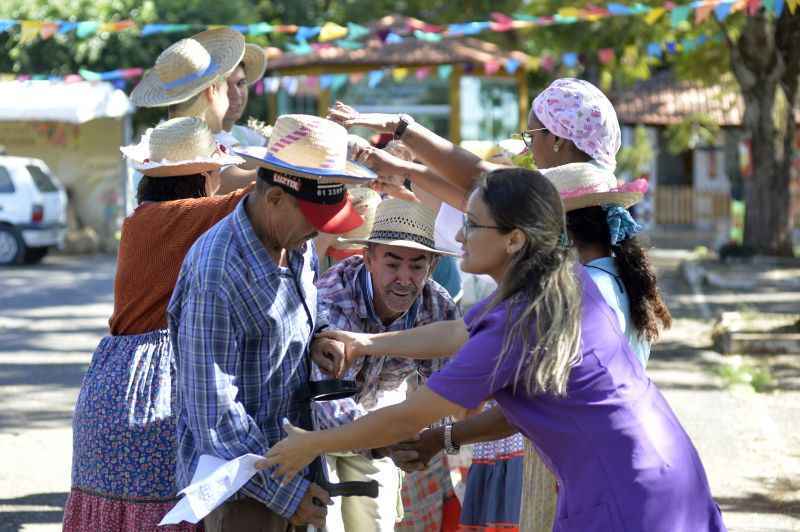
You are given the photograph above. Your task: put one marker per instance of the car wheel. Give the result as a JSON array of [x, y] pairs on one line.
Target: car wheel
[[34, 255], [12, 248]]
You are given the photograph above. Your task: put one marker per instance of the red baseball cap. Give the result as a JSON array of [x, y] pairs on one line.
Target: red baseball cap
[[326, 206]]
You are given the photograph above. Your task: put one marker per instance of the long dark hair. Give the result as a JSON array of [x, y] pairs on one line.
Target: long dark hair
[[171, 188], [540, 279], [649, 313]]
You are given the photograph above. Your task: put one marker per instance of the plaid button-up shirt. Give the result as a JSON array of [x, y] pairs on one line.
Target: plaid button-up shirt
[[344, 296], [241, 332]]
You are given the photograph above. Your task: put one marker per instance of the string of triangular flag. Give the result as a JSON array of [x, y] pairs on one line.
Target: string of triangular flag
[[352, 35]]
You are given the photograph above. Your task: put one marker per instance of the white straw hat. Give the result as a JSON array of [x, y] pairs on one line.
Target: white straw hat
[[311, 147], [255, 62], [405, 224], [177, 147], [365, 201], [189, 66], [583, 185]]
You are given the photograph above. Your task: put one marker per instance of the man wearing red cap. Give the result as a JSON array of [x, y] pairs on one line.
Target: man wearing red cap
[[242, 318]]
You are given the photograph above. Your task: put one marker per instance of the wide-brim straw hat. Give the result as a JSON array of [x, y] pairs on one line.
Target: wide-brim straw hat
[[188, 66], [582, 185], [311, 147], [255, 63], [365, 202], [178, 147], [404, 224]]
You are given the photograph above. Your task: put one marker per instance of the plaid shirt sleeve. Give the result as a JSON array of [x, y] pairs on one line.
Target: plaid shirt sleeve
[[209, 353]]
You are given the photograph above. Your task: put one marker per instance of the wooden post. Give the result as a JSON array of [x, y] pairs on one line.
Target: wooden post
[[523, 98], [323, 102], [272, 107], [455, 104]]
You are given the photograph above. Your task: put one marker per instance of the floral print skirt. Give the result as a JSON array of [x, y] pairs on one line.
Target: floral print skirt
[[123, 450]]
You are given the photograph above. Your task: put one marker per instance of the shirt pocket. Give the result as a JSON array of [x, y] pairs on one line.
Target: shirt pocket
[[595, 519]]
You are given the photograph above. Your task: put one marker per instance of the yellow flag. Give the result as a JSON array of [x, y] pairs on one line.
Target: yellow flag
[[331, 31], [534, 63], [399, 74], [793, 5], [570, 12], [30, 31], [654, 15]]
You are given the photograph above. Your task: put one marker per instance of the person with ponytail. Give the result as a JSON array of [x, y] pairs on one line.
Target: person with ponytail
[[541, 346]]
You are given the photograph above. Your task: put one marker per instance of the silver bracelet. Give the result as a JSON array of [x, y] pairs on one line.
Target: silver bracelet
[[449, 446]]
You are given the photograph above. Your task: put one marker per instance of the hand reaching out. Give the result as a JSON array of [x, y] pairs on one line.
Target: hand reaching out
[[349, 117]]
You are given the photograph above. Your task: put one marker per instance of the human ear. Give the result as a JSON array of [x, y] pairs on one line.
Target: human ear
[[515, 241]]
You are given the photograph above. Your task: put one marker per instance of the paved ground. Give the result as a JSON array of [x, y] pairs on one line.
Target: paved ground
[[52, 316]]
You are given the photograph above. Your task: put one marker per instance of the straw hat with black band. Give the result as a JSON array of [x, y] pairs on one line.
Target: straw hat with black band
[[179, 147], [189, 66], [405, 224]]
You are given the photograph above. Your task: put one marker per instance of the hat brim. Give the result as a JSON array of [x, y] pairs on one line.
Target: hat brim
[[226, 48], [335, 219], [626, 199], [395, 243], [352, 173], [255, 63], [138, 155]]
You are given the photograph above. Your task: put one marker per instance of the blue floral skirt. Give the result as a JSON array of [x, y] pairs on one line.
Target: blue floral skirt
[[124, 443]]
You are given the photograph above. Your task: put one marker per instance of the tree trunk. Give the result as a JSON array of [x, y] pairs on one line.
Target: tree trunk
[[761, 60]]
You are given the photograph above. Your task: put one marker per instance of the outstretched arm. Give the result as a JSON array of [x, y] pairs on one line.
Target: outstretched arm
[[377, 429], [454, 163], [436, 340]]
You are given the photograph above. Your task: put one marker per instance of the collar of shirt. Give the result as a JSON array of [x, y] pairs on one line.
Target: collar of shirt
[[368, 296], [261, 264]]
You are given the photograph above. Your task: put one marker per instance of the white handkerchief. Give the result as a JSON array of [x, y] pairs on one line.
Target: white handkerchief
[[215, 480]]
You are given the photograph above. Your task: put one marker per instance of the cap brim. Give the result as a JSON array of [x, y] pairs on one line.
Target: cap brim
[[626, 199], [335, 219], [352, 173], [396, 243]]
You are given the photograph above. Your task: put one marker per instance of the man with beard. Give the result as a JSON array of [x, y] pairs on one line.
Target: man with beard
[[243, 315], [388, 289]]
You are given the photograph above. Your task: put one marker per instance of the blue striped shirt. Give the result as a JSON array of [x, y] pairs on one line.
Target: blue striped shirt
[[241, 335]]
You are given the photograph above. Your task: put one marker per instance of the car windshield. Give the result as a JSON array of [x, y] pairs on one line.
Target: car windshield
[[42, 180], [6, 185]]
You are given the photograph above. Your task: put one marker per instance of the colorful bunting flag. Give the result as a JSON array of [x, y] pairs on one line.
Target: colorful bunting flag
[[153, 29], [428, 37], [399, 74], [491, 67], [47, 30], [356, 31], [261, 28], [422, 73], [679, 14], [793, 5], [605, 55], [331, 31], [654, 14], [393, 38], [779, 7], [30, 31], [374, 78], [444, 71], [89, 28], [512, 65], [570, 59], [752, 7], [6, 25], [654, 50], [722, 10]]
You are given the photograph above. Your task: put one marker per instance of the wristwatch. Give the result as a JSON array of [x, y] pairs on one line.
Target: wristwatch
[[449, 446], [403, 122]]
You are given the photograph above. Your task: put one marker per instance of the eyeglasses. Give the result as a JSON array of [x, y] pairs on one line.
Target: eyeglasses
[[467, 226], [527, 136]]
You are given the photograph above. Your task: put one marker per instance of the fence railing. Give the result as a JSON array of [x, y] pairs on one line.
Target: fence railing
[[685, 205]]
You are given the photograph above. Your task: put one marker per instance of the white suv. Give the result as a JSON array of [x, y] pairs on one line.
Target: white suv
[[33, 210]]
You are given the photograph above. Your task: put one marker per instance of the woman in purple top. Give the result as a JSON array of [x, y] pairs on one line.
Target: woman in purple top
[[549, 350]]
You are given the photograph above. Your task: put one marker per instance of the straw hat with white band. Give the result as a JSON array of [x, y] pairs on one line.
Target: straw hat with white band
[[255, 62], [365, 202], [177, 147], [188, 66], [404, 224], [584, 185], [310, 147]]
